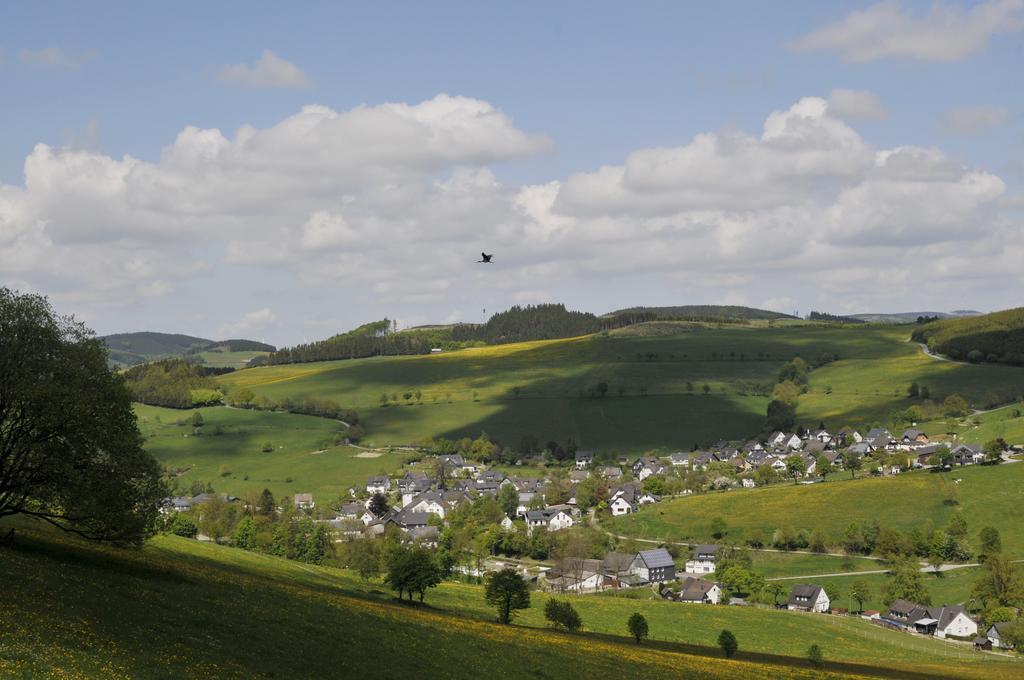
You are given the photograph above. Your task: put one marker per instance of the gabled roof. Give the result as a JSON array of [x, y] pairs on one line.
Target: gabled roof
[[947, 614], [709, 549], [659, 557], [802, 594], [695, 589], [616, 562]]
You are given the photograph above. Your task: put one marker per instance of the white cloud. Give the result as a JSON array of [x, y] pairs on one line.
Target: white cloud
[[388, 206], [972, 121], [856, 105], [269, 70], [890, 30], [258, 320], [52, 57]]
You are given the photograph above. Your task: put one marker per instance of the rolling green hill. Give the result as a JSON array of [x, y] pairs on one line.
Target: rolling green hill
[[703, 312], [180, 608], [987, 496], [130, 349], [660, 379], [992, 338], [305, 455]]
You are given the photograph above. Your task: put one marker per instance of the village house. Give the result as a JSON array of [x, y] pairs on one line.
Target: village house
[[611, 474], [304, 501], [703, 459], [176, 504], [808, 598], [615, 566], [379, 484], [942, 622], [622, 506], [703, 560], [848, 436], [549, 519], [646, 466], [584, 459], [656, 566], [996, 634], [967, 454], [679, 458], [913, 437], [696, 590], [575, 575]]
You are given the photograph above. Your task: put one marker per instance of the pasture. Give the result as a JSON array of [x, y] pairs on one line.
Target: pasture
[[952, 587], [303, 457], [183, 608], [987, 496], [655, 385]]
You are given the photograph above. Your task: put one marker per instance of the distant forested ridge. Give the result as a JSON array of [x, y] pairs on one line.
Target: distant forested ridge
[[833, 318], [369, 340], [130, 349], [991, 338], [172, 382], [518, 324], [714, 313]]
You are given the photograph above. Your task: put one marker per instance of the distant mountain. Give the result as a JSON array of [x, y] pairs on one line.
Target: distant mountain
[[130, 349], [911, 317], [702, 312]]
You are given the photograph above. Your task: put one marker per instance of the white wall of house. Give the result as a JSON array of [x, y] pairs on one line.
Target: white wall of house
[[700, 567], [560, 521], [621, 507], [961, 626]]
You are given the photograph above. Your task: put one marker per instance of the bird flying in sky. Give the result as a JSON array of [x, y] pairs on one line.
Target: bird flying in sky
[[486, 259]]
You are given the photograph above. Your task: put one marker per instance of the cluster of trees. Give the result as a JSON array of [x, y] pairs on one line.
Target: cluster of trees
[[948, 544], [378, 338], [990, 338], [532, 322], [70, 450], [518, 324], [171, 383], [833, 318], [258, 525]]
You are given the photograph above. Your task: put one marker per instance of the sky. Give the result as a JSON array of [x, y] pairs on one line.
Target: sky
[[287, 173]]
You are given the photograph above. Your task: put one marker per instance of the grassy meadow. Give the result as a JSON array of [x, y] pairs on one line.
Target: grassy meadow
[[304, 458], [225, 359], [180, 608], [951, 587], [655, 384], [987, 496]]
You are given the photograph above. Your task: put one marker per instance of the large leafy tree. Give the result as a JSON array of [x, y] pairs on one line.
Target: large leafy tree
[[70, 449], [507, 591]]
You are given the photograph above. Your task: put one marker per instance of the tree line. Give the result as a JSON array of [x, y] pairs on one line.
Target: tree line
[[170, 383]]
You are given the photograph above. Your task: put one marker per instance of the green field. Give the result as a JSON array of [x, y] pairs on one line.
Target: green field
[[184, 608], [303, 451], [771, 564], [469, 391], [223, 359], [952, 587], [987, 496], [1001, 422]]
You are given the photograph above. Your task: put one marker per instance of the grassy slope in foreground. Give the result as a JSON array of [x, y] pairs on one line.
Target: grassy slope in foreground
[[181, 608], [987, 496], [469, 391], [303, 451]]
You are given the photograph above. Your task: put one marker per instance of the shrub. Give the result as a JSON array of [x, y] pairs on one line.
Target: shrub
[[637, 625], [815, 656], [727, 641], [563, 615]]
